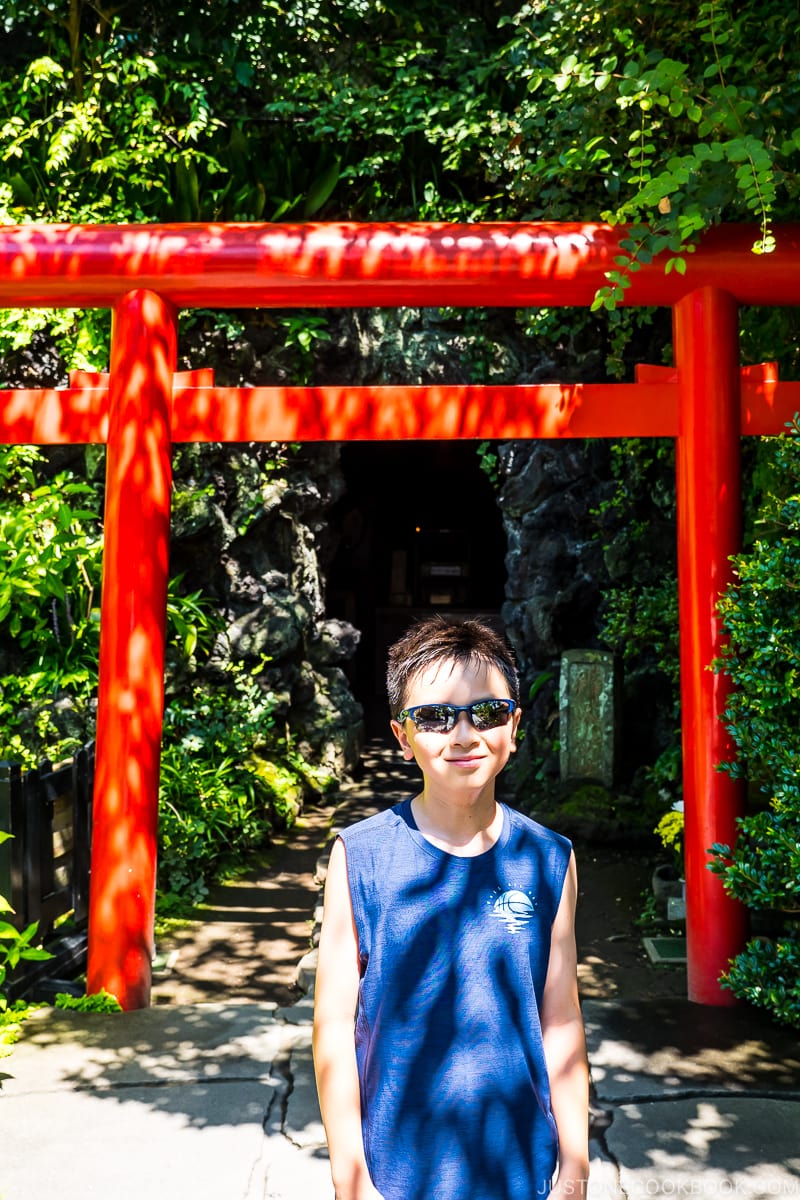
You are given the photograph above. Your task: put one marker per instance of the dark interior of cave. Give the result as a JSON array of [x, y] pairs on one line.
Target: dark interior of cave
[[417, 531]]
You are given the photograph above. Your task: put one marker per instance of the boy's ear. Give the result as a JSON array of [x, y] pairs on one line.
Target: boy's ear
[[516, 717], [400, 733]]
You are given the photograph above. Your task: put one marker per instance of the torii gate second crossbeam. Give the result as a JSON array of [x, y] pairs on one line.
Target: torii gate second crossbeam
[[145, 273]]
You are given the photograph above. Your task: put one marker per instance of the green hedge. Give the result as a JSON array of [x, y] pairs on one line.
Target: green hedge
[[761, 616]]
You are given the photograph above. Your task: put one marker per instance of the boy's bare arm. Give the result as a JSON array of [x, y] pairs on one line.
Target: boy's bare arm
[[334, 1037], [565, 1049]]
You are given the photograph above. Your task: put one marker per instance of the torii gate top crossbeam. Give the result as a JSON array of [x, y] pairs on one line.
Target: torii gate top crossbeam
[[340, 265]]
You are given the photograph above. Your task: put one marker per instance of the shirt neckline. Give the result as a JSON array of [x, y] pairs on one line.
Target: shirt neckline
[[404, 810]]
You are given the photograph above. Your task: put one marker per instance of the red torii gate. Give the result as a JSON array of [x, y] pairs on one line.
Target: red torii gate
[[146, 273]]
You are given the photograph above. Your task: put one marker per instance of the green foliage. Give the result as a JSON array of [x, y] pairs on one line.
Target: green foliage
[[93, 127], [666, 121], [211, 812], [488, 462], [97, 1002], [649, 919], [303, 334], [643, 619], [50, 552], [764, 869], [767, 975], [193, 625], [405, 103], [119, 131], [591, 802], [50, 576], [761, 616], [50, 567], [222, 792], [639, 617], [12, 1018], [16, 945]]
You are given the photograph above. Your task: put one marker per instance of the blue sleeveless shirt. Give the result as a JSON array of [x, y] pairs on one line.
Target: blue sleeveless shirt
[[454, 951]]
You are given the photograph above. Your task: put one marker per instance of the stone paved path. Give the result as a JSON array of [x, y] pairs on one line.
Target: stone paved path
[[253, 932]]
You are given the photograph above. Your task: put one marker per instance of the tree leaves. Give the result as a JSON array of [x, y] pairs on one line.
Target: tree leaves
[[760, 616]]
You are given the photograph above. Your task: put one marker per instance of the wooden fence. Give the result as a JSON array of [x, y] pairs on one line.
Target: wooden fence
[[45, 865]]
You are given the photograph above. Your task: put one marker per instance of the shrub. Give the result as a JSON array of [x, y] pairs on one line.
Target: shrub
[[97, 1002], [767, 974], [761, 615], [639, 613], [227, 780], [50, 551], [15, 946]]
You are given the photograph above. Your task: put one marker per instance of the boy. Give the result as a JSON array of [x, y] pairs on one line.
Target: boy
[[448, 932]]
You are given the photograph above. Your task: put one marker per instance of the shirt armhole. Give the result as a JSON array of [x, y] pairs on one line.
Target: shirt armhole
[[356, 905]]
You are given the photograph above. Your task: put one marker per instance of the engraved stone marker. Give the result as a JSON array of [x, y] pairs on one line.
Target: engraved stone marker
[[587, 716]]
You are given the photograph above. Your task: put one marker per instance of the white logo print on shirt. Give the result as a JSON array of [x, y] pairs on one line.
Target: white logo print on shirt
[[514, 908]]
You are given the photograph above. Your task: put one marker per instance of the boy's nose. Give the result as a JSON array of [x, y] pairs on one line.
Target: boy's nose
[[463, 728]]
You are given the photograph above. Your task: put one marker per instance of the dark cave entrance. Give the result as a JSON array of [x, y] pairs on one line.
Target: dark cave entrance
[[418, 530]]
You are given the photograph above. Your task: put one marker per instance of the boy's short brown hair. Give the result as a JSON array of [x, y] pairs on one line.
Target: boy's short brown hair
[[437, 638]]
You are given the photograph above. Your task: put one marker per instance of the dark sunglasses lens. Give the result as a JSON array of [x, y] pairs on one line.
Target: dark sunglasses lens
[[433, 718], [490, 714]]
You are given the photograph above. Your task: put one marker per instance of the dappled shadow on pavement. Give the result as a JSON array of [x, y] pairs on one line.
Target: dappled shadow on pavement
[[126, 1055], [249, 936], [179, 1101], [674, 1045], [246, 940]]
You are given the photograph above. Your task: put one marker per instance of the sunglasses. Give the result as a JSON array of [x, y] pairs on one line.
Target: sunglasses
[[441, 718]]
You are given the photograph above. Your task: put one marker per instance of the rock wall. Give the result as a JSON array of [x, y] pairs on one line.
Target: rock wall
[[255, 539], [556, 575], [246, 525]]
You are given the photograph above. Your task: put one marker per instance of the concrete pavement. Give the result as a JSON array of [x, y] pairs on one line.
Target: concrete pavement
[[217, 1102], [692, 1102], [200, 1102]]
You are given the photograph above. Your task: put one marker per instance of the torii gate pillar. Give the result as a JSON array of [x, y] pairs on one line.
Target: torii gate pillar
[[130, 700], [709, 532]]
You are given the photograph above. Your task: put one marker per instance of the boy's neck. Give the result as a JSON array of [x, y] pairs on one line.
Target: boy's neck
[[465, 829]]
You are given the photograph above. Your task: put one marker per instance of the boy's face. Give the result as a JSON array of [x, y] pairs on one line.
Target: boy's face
[[465, 757]]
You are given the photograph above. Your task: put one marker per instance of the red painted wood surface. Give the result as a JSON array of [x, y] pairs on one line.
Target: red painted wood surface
[[132, 634], [709, 532], [341, 265], [382, 412]]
